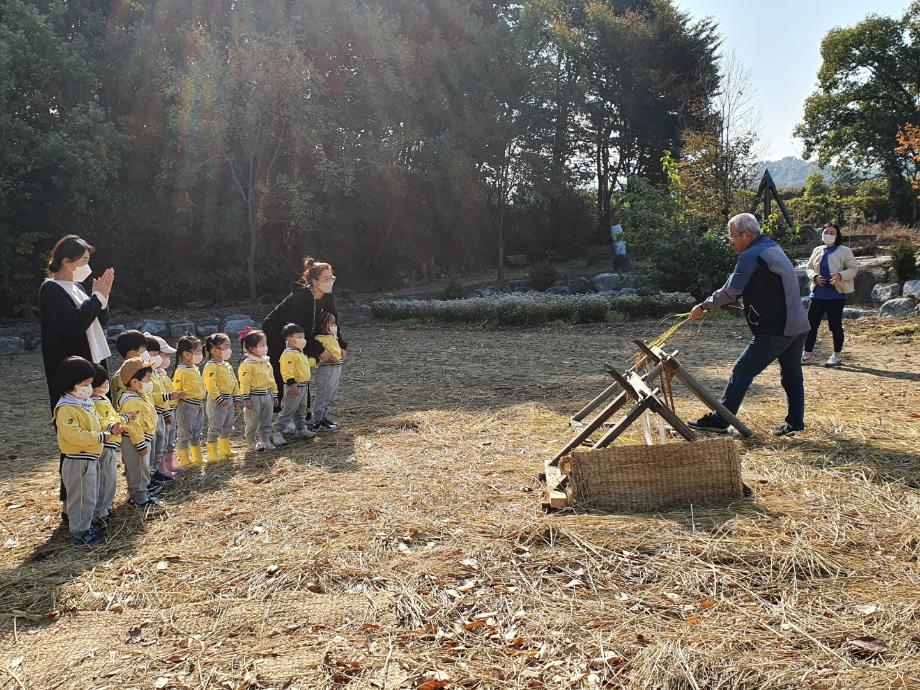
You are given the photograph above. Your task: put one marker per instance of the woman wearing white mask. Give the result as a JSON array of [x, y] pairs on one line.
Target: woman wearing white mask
[[72, 319], [309, 298], [831, 268]]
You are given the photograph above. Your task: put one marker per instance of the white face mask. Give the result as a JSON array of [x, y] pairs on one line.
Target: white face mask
[[226, 354], [828, 239], [260, 350], [83, 392], [197, 357], [145, 356], [165, 361], [81, 273], [103, 389], [300, 343], [333, 330], [157, 361], [147, 387], [326, 286]]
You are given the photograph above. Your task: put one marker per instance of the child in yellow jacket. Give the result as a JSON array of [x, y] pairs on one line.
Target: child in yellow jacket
[[161, 398], [170, 460], [259, 391], [190, 410], [112, 424], [81, 440], [328, 372], [139, 444], [223, 395], [295, 372]]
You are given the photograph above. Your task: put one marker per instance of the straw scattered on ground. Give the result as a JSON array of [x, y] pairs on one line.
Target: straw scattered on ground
[[409, 550]]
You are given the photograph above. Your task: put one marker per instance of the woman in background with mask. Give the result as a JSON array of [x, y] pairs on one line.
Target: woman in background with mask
[[831, 268], [72, 319], [309, 298]]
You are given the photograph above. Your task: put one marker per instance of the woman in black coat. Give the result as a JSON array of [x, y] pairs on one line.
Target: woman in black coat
[[72, 319], [310, 297]]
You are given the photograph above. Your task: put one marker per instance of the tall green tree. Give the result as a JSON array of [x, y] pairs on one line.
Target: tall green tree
[[868, 89]]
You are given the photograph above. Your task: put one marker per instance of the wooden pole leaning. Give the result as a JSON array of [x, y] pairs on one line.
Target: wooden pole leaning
[[676, 369]]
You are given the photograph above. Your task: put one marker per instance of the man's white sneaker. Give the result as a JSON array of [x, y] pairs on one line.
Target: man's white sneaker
[[833, 361], [807, 357], [278, 439]]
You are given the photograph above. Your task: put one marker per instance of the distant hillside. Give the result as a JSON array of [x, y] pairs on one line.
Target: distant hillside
[[791, 171]]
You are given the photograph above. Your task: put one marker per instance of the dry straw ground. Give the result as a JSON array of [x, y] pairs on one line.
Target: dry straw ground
[[409, 550]]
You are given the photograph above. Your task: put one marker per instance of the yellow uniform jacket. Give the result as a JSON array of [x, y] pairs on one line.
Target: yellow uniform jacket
[[257, 377], [79, 433], [220, 381]]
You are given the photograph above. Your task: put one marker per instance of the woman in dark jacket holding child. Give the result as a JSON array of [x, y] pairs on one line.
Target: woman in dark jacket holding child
[[308, 305]]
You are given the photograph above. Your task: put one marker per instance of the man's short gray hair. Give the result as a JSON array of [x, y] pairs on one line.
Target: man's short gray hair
[[745, 222]]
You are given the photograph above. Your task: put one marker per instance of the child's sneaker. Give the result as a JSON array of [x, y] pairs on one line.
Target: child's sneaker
[[268, 445], [833, 361], [709, 422], [151, 505], [289, 429], [306, 434], [154, 489], [90, 537], [278, 439], [325, 425], [258, 445], [158, 477], [101, 523]]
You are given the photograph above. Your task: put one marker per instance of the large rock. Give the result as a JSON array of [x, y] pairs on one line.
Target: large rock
[[112, 332], [581, 286], [606, 281], [179, 328], [804, 282], [865, 280], [854, 313], [911, 289], [11, 345], [205, 327], [883, 292], [518, 285], [233, 327], [899, 306], [154, 327]]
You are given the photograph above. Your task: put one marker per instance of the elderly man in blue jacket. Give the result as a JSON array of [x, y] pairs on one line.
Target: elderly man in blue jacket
[[765, 281]]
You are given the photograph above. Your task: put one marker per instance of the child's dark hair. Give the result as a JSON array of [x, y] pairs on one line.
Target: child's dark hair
[[252, 339], [141, 374], [324, 319], [291, 329], [101, 375], [130, 340], [70, 372], [188, 343], [215, 340], [153, 345]]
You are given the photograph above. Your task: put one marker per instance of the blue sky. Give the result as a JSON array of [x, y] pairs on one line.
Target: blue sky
[[783, 57]]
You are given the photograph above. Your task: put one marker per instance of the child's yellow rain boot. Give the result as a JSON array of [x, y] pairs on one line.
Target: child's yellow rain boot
[[223, 445], [197, 459], [184, 459], [213, 454]]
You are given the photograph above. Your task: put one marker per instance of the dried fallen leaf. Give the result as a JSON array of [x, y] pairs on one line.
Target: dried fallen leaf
[[16, 663], [470, 563], [693, 620], [707, 603], [161, 682], [866, 609], [161, 565], [135, 635], [868, 646], [474, 625]]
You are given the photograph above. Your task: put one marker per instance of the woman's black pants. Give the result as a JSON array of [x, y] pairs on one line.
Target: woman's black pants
[[816, 311]]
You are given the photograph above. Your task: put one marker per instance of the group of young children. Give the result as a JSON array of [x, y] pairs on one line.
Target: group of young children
[[158, 421]]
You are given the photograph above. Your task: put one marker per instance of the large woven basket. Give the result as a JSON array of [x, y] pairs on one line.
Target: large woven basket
[[643, 478]]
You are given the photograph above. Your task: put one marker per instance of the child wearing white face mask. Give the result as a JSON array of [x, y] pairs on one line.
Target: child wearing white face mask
[[295, 372], [140, 443], [328, 374], [114, 425], [129, 344], [162, 397], [223, 395], [190, 409], [259, 390], [81, 439], [171, 397]]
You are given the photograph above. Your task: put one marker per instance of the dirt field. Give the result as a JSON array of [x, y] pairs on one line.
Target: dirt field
[[409, 549]]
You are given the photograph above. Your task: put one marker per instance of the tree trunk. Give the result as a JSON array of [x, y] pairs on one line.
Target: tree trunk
[[253, 242], [501, 240]]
